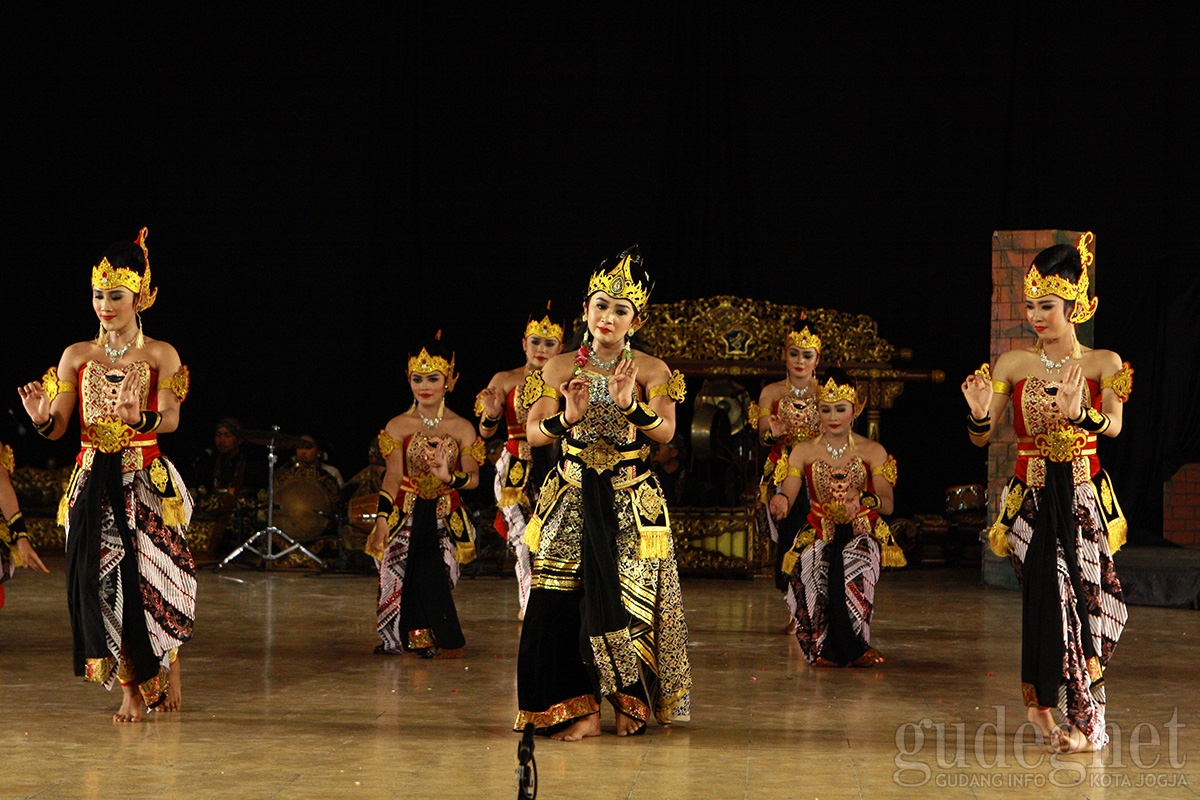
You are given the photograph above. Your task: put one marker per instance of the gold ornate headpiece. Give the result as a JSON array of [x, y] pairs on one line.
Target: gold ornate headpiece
[[424, 363], [619, 283], [804, 339], [106, 276], [544, 328], [833, 392], [1039, 285]]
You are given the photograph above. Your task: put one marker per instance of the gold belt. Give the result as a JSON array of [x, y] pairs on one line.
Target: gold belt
[[1061, 445], [602, 455], [111, 435]]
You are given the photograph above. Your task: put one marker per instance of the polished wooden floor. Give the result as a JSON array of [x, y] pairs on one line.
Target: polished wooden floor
[[284, 699]]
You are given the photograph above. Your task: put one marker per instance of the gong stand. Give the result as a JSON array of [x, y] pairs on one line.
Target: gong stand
[[262, 543]]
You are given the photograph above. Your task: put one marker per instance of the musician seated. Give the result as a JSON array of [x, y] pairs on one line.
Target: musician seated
[[315, 457], [228, 468]]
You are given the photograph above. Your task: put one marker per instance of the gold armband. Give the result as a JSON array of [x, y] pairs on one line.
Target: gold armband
[[386, 444], [887, 470], [179, 383], [478, 450], [535, 388], [783, 471], [1121, 382], [755, 413], [998, 387], [52, 386], [675, 388]]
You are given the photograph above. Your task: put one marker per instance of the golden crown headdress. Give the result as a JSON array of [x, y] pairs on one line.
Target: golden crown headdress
[[544, 327], [106, 276], [804, 339], [618, 282], [1039, 285], [424, 363], [833, 392]]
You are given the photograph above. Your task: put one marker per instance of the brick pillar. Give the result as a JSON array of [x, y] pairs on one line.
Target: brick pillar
[[1012, 253], [1181, 506]]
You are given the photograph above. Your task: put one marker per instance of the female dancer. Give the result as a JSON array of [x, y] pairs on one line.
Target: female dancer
[[1060, 523], [516, 485], [834, 563], [131, 580], [423, 532], [15, 549], [604, 573], [786, 414]]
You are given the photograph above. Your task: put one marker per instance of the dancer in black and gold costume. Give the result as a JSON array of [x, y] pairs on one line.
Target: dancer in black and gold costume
[[131, 580], [1060, 524], [517, 477], [15, 549], [785, 415], [423, 532], [605, 616], [835, 561]]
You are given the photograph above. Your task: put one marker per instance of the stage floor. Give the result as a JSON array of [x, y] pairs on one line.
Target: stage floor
[[284, 699]]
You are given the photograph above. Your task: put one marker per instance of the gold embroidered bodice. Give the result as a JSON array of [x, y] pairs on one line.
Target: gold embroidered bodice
[[416, 456], [603, 418], [828, 482], [100, 385], [801, 416]]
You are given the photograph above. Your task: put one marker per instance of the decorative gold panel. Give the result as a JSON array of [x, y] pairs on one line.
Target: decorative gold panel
[[726, 327]]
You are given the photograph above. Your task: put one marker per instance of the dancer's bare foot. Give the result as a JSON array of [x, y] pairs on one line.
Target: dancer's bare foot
[[789, 629], [629, 726], [1072, 740], [580, 728], [1042, 718], [174, 699], [132, 708]]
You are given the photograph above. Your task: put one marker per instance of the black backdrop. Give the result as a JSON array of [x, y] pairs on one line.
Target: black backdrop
[[326, 188]]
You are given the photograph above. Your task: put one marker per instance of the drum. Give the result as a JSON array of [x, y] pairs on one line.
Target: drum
[[306, 500], [965, 498], [360, 511]]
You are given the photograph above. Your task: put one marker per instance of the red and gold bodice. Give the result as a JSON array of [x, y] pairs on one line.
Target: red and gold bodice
[[801, 416], [1044, 435], [515, 417], [101, 429], [419, 482], [828, 485]]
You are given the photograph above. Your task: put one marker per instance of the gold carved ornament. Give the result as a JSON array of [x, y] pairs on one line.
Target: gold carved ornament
[[516, 471], [1013, 501], [109, 435], [7, 461], [1106, 497], [675, 388], [179, 383], [755, 413], [480, 408], [1121, 382], [1061, 445], [725, 327], [387, 445], [53, 387], [887, 470]]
